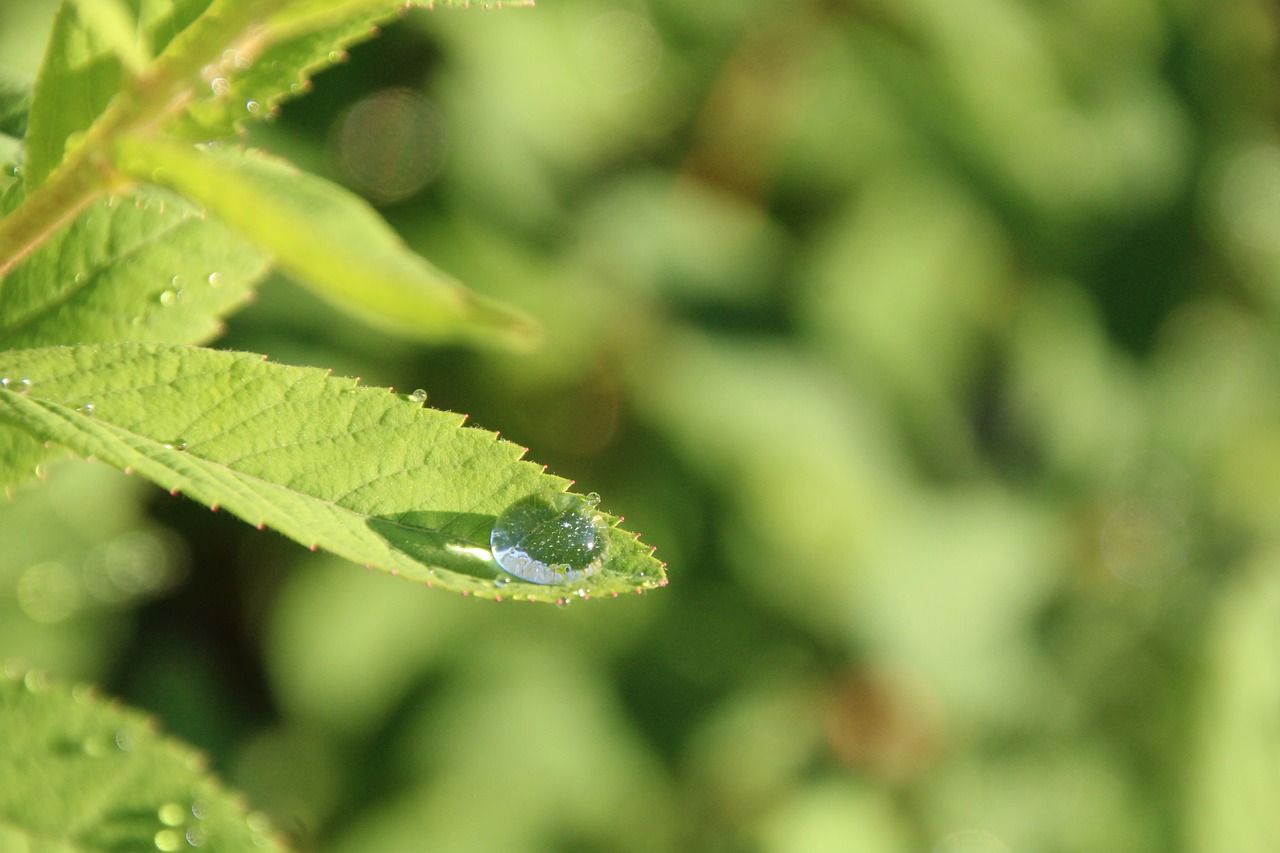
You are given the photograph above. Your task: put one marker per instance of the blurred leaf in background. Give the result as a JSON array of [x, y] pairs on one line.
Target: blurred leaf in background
[[933, 344]]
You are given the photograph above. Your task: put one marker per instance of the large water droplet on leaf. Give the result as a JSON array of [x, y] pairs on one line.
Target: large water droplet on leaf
[[548, 538]]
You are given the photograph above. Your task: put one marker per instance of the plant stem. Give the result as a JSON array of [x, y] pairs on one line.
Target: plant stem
[[144, 104], [55, 203]]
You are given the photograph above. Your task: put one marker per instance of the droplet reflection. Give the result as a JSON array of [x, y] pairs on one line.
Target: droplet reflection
[[550, 538]]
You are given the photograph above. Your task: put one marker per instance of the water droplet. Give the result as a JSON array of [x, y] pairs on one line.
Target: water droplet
[[78, 278], [12, 170], [178, 281], [198, 809], [87, 409], [548, 538], [338, 56], [26, 385], [94, 747], [500, 583], [4, 381], [196, 836], [251, 105], [171, 814], [168, 840], [215, 279], [419, 396], [124, 740], [36, 681], [257, 822], [169, 297], [40, 472], [220, 86]]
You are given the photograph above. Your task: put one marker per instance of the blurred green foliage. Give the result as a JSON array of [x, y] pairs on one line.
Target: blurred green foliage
[[934, 345]]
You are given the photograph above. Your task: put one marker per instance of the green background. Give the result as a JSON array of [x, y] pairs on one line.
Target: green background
[[932, 342]]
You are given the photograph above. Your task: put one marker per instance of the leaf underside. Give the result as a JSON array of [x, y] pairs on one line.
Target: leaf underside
[[362, 472], [79, 774]]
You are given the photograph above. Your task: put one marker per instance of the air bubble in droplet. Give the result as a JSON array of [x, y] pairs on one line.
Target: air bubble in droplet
[[549, 538], [171, 814], [220, 86], [419, 396], [252, 105]]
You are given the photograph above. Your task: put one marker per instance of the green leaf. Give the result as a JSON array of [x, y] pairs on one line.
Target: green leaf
[[294, 45], [369, 475], [113, 23], [82, 71], [15, 102], [80, 774], [328, 238], [302, 38], [147, 267]]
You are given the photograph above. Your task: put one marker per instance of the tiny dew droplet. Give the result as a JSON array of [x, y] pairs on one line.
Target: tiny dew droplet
[[87, 409], [419, 396], [168, 297], [215, 279], [94, 747], [251, 105], [169, 840], [220, 86], [196, 836], [171, 814], [549, 538]]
